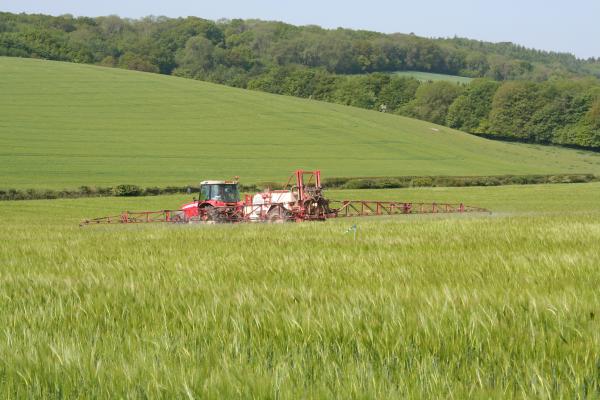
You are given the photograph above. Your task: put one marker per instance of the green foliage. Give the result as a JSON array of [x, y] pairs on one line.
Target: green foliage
[[502, 68], [397, 92], [553, 111], [127, 190], [513, 106], [454, 181], [563, 105], [370, 183], [592, 117], [163, 44], [198, 57], [135, 62], [357, 92], [330, 182], [370, 91], [421, 181], [432, 101], [585, 133], [471, 109], [474, 306]]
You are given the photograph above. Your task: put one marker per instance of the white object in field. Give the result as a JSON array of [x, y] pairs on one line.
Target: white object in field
[[263, 202]]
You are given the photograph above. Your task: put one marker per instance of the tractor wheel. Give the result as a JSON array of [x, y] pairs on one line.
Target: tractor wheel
[[319, 208], [278, 215], [214, 216]]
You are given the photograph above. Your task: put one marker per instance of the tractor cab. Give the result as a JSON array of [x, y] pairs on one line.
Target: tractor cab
[[213, 194], [219, 193]]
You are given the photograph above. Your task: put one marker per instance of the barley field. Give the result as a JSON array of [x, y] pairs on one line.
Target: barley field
[[486, 306]]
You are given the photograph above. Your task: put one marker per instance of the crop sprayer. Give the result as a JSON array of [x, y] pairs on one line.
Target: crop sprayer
[[301, 200]]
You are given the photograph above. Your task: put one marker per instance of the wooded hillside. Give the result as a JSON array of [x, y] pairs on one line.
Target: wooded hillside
[[525, 94]]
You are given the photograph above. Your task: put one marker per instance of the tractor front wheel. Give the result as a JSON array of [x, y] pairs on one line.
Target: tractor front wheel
[[179, 217], [214, 215]]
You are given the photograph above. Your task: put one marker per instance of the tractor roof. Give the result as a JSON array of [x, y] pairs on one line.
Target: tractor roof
[[218, 183]]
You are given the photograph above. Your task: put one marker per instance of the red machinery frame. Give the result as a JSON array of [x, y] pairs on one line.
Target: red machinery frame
[[310, 205]]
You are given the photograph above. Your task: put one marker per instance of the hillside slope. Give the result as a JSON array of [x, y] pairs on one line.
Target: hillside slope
[[65, 125]]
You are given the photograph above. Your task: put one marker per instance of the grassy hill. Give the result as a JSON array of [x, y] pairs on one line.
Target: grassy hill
[[65, 125], [428, 76]]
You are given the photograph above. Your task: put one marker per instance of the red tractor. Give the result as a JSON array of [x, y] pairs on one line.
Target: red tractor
[[219, 202]]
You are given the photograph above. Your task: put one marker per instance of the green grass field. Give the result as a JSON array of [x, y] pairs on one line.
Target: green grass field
[[65, 125], [484, 306], [477, 305], [428, 76]]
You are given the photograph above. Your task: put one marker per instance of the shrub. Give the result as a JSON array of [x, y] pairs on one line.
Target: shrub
[[555, 179], [152, 191], [421, 181], [173, 190], [581, 178], [87, 191], [343, 183], [48, 194], [390, 183], [491, 181], [105, 191], [248, 188], [360, 184], [517, 180], [335, 182], [127, 190]]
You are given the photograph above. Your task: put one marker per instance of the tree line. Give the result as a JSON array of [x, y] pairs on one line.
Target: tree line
[[522, 94]]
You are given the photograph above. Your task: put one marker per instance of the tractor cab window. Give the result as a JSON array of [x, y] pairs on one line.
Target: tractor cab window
[[227, 193], [230, 193], [205, 192]]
